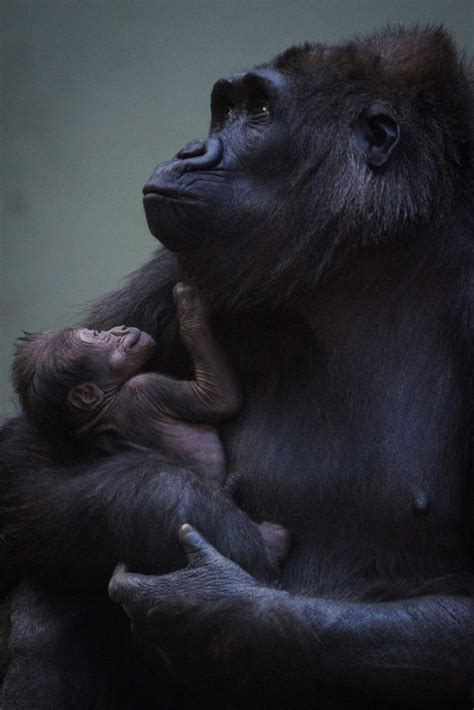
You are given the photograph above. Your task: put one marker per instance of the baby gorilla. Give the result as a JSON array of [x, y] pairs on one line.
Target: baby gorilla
[[89, 383], [93, 388]]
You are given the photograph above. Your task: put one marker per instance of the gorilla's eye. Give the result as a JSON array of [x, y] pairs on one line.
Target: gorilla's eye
[[262, 107], [260, 110]]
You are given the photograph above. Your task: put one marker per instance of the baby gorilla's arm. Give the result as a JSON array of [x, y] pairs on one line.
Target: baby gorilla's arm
[[214, 394]]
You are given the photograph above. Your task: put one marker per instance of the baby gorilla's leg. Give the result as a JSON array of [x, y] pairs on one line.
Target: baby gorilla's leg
[[277, 539]]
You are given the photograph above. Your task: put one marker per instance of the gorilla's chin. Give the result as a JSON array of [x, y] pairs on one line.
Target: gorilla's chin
[[174, 222]]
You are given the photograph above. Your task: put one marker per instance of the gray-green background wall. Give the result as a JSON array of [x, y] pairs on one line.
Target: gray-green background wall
[[95, 93]]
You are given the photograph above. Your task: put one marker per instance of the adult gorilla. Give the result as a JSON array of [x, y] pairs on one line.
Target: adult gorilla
[[328, 220]]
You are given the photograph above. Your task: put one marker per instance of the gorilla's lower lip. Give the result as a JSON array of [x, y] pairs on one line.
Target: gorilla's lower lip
[[151, 191]]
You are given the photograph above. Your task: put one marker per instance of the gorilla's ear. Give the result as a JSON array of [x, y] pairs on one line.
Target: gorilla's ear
[[376, 133], [86, 397]]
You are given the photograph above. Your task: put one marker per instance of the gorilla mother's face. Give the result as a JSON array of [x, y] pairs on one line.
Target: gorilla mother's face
[[220, 186], [307, 158]]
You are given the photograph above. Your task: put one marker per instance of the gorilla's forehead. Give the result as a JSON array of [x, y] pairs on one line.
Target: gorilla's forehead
[[275, 78], [401, 57]]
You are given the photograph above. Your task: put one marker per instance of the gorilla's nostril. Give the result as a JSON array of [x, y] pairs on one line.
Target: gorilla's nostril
[[199, 154]]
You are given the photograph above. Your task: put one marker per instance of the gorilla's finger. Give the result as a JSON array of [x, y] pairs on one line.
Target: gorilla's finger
[[121, 568], [131, 590], [198, 550]]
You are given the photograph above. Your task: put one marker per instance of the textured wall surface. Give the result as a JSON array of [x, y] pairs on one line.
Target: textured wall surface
[[95, 93]]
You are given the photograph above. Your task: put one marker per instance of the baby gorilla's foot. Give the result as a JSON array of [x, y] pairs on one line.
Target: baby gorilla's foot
[[277, 539], [192, 312]]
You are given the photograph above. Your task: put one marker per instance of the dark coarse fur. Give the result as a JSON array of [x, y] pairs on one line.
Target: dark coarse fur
[[335, 244]]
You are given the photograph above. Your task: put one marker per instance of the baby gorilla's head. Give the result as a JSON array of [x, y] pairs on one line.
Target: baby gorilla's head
[[66, 379]]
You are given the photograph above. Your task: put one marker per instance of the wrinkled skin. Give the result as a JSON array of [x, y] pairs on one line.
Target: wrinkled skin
[[328, 221]]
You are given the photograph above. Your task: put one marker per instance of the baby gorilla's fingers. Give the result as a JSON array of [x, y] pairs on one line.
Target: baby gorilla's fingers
[[180, 290], [186, 296], [189, 303]]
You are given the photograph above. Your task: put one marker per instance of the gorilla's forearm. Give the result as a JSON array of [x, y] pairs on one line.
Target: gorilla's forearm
[[221, 627], [419, 650]]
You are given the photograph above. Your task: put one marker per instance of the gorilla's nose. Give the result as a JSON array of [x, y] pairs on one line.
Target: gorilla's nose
[[200, 154]]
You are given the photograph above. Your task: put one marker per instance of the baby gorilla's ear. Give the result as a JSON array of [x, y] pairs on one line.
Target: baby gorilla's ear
[[86, 397]]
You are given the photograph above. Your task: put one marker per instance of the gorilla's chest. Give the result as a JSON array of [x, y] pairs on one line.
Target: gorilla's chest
[[354, 481]]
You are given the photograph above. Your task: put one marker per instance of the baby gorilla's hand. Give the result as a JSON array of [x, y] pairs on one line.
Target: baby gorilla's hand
[[192, 312], [277, 539]]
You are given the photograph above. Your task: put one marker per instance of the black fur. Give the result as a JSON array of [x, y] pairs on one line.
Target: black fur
[[343, 294]]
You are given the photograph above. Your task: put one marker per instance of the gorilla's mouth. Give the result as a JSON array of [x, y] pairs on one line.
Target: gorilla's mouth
[[150, 191], [174, 217]]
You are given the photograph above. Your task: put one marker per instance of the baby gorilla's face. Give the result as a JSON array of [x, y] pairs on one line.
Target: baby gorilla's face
[[121, 352]]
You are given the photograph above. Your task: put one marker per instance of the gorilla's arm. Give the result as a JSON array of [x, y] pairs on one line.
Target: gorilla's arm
[[418, 650], [71, 524]]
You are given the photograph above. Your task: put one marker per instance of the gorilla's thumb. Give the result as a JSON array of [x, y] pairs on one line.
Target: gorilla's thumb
[[197, 549]]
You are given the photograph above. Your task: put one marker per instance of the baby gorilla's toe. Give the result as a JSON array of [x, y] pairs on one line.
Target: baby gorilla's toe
[[277, 540]]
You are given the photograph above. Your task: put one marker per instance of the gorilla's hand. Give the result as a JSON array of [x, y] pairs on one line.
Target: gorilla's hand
[[195, 617], [208, 578]]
